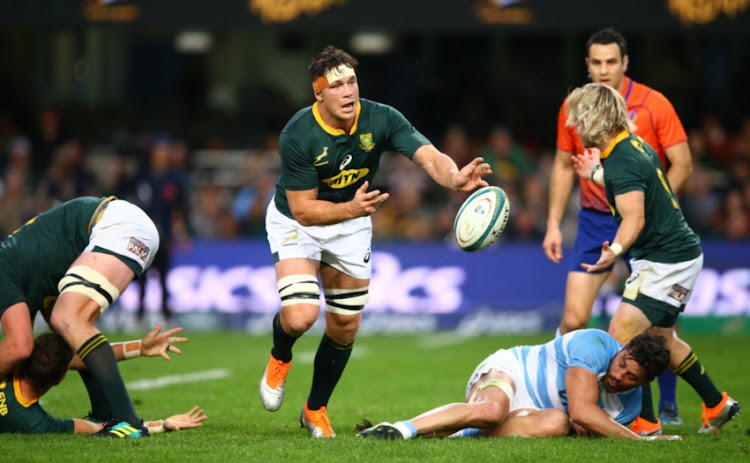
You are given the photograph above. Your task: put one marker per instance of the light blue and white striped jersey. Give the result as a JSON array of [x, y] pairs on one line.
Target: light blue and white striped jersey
[[544, 367]]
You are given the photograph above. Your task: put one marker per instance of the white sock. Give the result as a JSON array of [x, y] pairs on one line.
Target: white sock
[[406, 428]]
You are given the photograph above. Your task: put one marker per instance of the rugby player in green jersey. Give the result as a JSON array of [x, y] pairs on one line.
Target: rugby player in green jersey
[[70, 263], [51, 357], [666, 255], [319, 225]]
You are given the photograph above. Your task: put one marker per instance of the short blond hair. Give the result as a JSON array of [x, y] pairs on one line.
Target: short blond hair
[[597, 111]]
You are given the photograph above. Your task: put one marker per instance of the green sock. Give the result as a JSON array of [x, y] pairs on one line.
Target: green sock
[[693, 372], [647, 404], [330, 362], [100, 360], [282, 342]]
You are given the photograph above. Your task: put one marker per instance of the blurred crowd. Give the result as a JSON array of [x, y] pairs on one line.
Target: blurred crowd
[[190, 198]]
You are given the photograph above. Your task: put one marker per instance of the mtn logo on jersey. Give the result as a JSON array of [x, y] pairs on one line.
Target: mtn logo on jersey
[[346, 178], [138, 248], [319, 158], [365, 142]]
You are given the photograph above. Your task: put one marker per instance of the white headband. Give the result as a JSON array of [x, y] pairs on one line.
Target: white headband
[[342, 71]]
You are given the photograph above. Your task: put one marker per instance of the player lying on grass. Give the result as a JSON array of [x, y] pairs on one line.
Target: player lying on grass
[[583, 382], [50, 358]]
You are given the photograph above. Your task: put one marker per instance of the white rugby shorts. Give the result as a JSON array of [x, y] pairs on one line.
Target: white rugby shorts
[[124, 229], [344, 246], [668, 283], [504, 361]]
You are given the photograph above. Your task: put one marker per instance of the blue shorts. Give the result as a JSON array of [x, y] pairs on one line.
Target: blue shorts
[[594, 228]]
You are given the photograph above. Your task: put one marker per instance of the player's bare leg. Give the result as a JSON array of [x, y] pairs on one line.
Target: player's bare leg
[[581, 291], [343, 314], [300, 294], [532, 423], [73, 316], [487, 407]]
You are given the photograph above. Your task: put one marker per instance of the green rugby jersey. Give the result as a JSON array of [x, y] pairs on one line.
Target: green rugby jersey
[[631, 164], [20, 415], [36, 256], [315, 155]]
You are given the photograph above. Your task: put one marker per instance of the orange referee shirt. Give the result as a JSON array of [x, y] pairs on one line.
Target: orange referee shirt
[[655, 120]]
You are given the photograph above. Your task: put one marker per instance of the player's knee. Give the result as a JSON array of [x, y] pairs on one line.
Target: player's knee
[[488, 414], [556, 423], [572, 321], [300, 302]]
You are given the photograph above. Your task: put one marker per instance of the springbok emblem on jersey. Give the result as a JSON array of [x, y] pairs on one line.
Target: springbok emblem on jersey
[[319, 158], [365, 142]]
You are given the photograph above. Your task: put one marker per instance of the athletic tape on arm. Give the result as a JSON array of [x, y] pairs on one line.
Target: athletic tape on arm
[[89, 282]]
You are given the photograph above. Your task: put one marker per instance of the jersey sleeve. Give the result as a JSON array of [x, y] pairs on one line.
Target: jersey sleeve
[[589, 350], [623, 176], [297, 170], [565, 134], [669, 128], [404, 137], [35, 420]]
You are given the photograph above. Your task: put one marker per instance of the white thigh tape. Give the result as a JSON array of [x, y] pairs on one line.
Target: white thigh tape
[[87, 281]]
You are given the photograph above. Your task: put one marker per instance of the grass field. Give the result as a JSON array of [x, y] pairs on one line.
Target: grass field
[[388, 378]]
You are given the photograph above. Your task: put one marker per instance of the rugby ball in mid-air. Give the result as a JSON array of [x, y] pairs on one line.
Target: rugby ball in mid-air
[[481, 219]]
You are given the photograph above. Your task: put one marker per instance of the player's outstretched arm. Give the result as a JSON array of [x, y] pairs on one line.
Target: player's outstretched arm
[[192, 419], [153, 344], [583, 394], [441, 168]]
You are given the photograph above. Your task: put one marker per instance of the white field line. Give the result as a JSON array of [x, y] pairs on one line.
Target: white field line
[[164, 381]]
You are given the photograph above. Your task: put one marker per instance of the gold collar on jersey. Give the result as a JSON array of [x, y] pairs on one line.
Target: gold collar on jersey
[[620, 137], [330, 130], [99, 211]]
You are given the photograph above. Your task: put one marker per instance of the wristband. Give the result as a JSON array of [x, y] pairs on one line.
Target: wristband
[[616, 248], [597, 175], [155, 427], [131, 349]]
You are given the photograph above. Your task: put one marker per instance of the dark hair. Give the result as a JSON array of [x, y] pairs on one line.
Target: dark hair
[[650, 352], [605, 37], [330, 58], [48, 361]]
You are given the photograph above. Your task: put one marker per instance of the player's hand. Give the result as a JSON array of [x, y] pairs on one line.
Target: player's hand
[[607, 258], [552, 244], [470, 176], [155, 343], [192, 419], [583, 164], [366, 202], [578, 430]]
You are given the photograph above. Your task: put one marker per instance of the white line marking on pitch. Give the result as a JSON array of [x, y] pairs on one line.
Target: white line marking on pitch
[[163, 381]]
